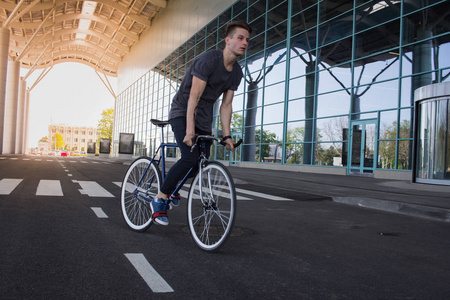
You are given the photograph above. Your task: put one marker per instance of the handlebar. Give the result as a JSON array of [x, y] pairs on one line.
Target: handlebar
[[222, 142], [235, 145]]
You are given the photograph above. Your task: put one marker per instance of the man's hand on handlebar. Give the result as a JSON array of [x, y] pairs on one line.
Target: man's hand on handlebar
[[229, 144], [189, 139]]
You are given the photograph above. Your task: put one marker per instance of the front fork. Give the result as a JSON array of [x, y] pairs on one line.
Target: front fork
[[209, 202]]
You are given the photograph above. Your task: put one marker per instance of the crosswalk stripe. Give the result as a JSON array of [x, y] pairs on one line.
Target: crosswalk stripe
[[148, 273], [49, 188], [93, 189], [261, 195], [7, 185], [99, 212], [185, 194]]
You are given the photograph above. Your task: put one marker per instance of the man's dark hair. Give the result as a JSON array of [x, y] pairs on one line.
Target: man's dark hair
[[236, 24]]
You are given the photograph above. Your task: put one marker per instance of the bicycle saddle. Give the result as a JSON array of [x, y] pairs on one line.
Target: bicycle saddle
[[159, 123]]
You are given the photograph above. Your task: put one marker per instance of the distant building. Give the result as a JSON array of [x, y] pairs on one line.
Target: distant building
[[43, 147], [75, 138]]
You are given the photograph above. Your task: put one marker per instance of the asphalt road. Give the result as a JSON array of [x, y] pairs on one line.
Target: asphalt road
[[63, 237]]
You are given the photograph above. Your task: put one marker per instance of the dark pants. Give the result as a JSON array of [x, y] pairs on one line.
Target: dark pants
[[188, 159]]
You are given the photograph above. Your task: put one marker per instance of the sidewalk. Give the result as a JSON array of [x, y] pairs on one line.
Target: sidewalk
[[397, 196]]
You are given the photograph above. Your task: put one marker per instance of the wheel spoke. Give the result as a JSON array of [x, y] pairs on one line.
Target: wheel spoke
[[211, 207], [141, 182]]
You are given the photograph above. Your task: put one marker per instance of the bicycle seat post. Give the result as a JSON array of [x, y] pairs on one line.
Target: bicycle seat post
[[162, 134]]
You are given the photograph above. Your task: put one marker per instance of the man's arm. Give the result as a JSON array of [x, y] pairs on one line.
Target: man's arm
[[226, 110], [197, 89]]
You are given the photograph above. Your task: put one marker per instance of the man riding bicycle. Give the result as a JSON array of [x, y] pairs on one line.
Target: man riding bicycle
[[212, 74]]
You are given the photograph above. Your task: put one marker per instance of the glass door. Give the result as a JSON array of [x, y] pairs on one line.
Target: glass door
[[362, 147]]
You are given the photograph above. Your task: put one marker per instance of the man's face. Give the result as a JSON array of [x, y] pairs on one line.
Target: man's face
[[238, 42]]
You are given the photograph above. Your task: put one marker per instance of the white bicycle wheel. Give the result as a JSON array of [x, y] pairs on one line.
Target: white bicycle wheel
[[140, 185], [211, 206]]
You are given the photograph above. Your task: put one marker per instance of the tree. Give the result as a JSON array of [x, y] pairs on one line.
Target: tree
[[236, 121], [265, 138], [44, 139], [386, 149], [294, 152], [105, 124], [57, 141]]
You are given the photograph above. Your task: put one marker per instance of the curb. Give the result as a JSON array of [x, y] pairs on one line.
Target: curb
[[421, 211]]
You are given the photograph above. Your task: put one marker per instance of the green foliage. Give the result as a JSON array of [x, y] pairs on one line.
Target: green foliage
[[105, 124], [265, 137], [57, 141], [325, 157], [236, 121], [294, 152], [387, 149]]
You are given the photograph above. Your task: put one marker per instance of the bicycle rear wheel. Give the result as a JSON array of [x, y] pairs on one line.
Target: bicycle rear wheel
[[140, 185], [211, 206]]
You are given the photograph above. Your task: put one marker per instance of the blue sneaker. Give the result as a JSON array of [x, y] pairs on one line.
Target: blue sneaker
[[175, 200], [159, 211]]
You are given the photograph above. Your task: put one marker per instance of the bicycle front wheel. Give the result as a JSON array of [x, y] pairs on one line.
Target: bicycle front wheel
[[211, 206], [140, 185]]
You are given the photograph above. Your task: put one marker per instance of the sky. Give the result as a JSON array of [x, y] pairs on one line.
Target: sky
[[71, 94]]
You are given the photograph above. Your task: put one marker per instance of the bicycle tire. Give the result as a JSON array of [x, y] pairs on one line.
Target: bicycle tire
[[211, 217], [141, 183]]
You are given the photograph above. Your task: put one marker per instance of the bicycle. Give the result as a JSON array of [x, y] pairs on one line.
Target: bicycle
[[211, 207]]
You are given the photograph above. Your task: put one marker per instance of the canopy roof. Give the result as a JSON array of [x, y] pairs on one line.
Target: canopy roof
[[95, 33]]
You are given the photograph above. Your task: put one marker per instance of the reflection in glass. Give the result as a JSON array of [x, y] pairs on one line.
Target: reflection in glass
[[333, 104], [406, 123], [379, 96], [404, 150], [274, 93], [386, 154], [388, 125], [294, 154], [328, 155]]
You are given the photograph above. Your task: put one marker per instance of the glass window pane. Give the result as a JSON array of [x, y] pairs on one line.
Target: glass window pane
[[403, 160], [276, 73], [331, 129], [296, 110], [276, 34], [378, 39], [373, 13], [386, 154], [274, 93], [273, 113], [333, 79], [303, 17], [388, 125], [378, 96], [406, 124], [278, 13], [377, 68], [328, 154], [337, 103], [294, 154]]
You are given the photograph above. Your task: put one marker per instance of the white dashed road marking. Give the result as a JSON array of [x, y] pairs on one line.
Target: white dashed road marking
[[148, 273], [99, 212], [7, 185], [93, 189], [49, 188]]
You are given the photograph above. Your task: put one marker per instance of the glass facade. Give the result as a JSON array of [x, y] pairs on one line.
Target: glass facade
[[327, 83]]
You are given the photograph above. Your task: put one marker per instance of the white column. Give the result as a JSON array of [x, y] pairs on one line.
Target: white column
[[4, 48], [20, 123], [26, 125], [12, 97]]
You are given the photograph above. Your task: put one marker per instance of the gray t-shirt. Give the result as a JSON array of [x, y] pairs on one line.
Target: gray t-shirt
[[208, 67]]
